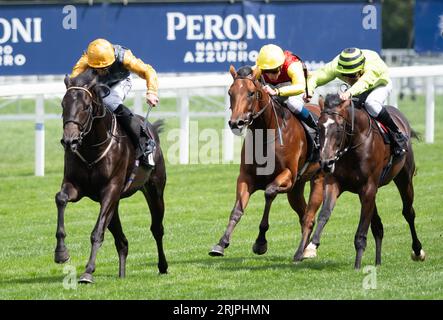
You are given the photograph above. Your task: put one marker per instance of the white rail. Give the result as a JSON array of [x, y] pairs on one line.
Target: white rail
[[182, 86]]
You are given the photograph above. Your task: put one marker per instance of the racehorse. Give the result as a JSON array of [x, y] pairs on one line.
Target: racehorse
[[356, 157], [100, 164], [274, 128]]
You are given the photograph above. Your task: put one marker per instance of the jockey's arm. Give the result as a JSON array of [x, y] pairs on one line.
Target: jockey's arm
[[143, 70], [376, 71], [323, 75], [297, 86], [80, 66]]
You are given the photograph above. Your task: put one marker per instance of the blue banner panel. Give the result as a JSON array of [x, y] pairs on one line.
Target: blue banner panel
[[428, 26], [179, 37]]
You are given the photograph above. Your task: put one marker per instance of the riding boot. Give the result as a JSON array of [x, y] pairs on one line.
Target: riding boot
[[400, 139], [144, 145]]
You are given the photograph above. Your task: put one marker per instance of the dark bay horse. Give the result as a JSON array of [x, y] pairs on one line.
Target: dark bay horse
[[355, 158], [287, 153], [100, 164]]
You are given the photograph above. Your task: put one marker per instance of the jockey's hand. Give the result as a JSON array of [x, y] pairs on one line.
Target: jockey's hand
[[345, 95], [152, 99], [270, 90], [306, 99]]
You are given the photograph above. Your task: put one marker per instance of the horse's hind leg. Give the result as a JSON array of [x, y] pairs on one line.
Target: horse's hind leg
[[404, 184], [67, 193], [121, 243], [154, 196], [377, 231], [308, 218]]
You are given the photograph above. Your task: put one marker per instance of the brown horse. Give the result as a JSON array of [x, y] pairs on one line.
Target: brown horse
[[100, 164], [356, 158], [273, 129]]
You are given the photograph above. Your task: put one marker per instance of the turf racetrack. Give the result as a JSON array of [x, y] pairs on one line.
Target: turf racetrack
[[199, 199]]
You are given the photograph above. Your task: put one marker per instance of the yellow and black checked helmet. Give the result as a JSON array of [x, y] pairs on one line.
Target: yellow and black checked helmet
[[351, 61]]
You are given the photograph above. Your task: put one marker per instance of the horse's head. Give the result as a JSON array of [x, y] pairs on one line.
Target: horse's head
[[332, 124], [245, 94], [78, 108]]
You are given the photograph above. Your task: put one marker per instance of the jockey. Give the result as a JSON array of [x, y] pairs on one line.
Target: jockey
[[284, 70], [367, 75], [113, 64]]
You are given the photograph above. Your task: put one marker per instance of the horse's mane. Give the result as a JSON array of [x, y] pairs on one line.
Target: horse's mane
[[332, 101]]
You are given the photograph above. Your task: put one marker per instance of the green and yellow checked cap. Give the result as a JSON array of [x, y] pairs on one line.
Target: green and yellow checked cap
[[351, 60]]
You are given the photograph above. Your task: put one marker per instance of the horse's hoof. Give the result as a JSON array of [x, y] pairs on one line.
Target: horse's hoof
[[86, 278], [260, 248], [217, 251], [420, 257], [61, 256], [310, 251]]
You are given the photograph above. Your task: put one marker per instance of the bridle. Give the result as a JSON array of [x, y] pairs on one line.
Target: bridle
[[343, 148], [258, 96]]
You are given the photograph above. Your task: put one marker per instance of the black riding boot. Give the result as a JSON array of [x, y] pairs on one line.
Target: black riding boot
[[400, 140], [144, 145]]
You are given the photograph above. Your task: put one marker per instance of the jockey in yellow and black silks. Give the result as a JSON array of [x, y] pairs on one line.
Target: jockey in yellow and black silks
[[114, 64], [367, 75]]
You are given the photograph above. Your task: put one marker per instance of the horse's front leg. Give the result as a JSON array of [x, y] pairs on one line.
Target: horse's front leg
[[67, 193], [245, 188], [367, 200], [331, 192], [281, 184], [109, 203]]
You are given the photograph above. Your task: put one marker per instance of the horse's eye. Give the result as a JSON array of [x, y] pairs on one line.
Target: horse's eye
[[251, 94]]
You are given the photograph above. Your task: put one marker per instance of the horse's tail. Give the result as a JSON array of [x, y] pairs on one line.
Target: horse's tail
[[158, 126]]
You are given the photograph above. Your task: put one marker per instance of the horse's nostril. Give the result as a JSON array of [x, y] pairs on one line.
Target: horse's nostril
[[330, 162], [241, 123]]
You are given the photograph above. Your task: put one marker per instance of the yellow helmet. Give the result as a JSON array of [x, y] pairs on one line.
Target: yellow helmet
[[100, 54], [351, 60], [270, 57]]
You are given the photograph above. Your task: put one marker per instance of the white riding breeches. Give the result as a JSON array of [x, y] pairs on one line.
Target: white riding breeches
[[377, 98], [295, 103], [118, 93]]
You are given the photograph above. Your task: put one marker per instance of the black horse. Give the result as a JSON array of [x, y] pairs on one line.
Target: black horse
[[100, 164], [356, 157]]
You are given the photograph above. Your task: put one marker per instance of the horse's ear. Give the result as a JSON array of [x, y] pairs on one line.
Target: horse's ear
[[232, 71], [254, 73], [67, 81], [321, 102]]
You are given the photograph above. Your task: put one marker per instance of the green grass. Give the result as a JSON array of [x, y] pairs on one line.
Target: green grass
[[198, 202]]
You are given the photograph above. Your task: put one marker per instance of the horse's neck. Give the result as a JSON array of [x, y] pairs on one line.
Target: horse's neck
[[267, 120], [362, 123], [100, 131]]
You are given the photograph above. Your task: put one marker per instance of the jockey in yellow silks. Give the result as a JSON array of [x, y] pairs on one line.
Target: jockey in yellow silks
[[114, 64], [284, 71], [367, 75]]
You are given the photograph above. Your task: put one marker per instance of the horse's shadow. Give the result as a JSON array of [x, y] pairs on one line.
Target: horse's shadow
[[265, 263]]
